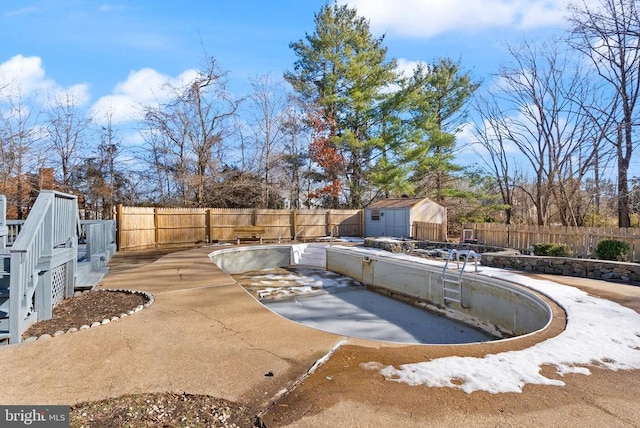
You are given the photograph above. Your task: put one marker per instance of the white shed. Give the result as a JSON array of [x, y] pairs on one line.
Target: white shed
[[395, 217]]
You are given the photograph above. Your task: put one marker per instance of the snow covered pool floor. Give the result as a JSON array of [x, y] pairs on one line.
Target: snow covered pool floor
[[331, 302]]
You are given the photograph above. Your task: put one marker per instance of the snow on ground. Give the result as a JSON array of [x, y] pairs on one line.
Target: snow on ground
[[598, 333]]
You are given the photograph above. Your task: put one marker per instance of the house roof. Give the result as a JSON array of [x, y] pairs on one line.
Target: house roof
[[397, 202]]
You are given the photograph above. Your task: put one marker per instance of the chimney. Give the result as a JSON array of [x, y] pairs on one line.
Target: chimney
[[46, 179]]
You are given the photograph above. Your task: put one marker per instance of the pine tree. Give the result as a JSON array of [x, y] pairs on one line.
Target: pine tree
[[341, 75]]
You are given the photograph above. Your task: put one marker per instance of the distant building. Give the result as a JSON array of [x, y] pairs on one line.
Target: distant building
[[395, 217], [21, 194]]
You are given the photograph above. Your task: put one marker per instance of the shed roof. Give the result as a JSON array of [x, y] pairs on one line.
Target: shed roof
[[397, 202]]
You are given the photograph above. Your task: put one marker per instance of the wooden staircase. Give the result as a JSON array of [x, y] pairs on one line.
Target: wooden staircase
[[42, 263]]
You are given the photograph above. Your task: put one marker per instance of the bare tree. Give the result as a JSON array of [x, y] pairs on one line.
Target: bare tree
[[166, 143], [266, 112], [22, 137], [492, 135], [547, 99], [608, 33], [7, 156], [67, 135], [295, 156], [103, 177], [186, 134]]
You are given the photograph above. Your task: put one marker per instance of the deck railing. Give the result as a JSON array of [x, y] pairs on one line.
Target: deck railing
[[100, 238], [4, 229], [43, 260], [13, 229]]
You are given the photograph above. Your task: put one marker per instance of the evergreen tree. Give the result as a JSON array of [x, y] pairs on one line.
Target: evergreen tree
[[341, 75], [437, 96]]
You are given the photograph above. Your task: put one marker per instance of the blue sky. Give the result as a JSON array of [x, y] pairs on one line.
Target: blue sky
[[116, 54]]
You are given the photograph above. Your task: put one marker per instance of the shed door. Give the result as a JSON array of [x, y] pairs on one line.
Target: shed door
[[396, 223]]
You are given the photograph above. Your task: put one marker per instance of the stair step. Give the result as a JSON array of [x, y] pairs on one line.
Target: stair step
[[4, 302], [4, 326], [5, 264], [87, 278]]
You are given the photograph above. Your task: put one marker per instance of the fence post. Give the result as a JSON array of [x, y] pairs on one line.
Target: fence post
[[207, 223], [155, 226], [119, 225], [294, 223]]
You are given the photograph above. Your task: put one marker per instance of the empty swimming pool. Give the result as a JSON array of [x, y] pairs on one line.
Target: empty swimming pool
[[329, 300], [358, 312]]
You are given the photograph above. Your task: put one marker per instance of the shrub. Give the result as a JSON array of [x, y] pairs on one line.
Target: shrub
[[551, 249], [560, 250], [542, 249], [610, 249]]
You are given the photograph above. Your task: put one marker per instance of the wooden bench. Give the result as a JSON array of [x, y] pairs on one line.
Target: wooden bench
[[249, 233]]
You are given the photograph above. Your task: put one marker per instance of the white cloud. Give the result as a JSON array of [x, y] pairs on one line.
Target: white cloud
[[22, 76], [465, 139], [406, 66], [29, 10], [428, 18], [144, 87], [78, 94]]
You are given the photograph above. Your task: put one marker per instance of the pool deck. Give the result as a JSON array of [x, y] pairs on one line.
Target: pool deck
[[205, 335]]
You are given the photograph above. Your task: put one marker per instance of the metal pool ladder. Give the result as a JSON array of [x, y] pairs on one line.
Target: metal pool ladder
[[452, 279]]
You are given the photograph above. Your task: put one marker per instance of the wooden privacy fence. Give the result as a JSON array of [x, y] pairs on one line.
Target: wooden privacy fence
[[429, 231], [140, 227], [582, 240]]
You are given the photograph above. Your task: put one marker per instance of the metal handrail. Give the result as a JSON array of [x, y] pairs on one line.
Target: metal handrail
[[458, 279], [467, 255], [295, 237]]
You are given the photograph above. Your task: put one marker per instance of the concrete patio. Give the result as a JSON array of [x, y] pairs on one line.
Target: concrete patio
[[205, 335]]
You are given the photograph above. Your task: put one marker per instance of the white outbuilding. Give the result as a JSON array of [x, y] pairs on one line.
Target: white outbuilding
[[395, 217]]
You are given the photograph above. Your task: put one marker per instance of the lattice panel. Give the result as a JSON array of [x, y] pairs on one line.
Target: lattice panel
[[58, 279]]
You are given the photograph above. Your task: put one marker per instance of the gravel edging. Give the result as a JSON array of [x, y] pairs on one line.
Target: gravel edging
[[147, 296]]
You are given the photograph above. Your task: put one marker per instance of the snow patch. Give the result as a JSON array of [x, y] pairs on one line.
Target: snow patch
[[599, 333]]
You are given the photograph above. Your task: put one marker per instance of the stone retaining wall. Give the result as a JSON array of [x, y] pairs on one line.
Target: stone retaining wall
[[511, 259], [399, 246], [583, 268]]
